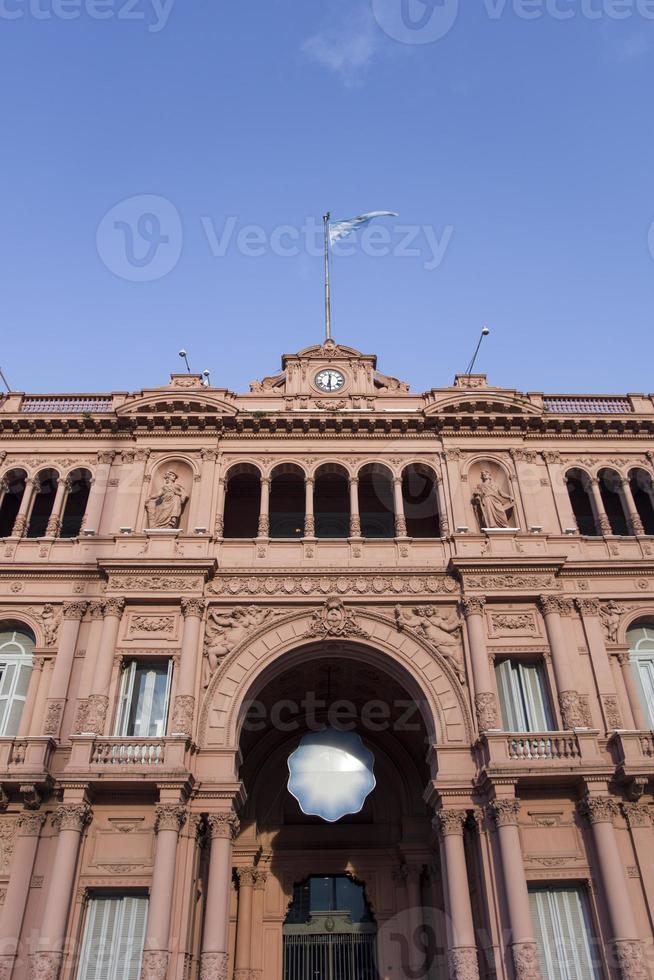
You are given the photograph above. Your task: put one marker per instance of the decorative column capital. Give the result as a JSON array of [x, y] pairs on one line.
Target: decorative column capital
[[106, 457], [637, 815], [265, 482], [223, 824], [354, 481], [309, 481], [72, 816], [193, 608], [74, 610], [114, 607], [260, 879], [246, 877], [30, 824], [505, 813], [450, 822], [170, 816], [549, 604], [473, 605], [95, 610], [209, 455], [598, 809], [588, 606]]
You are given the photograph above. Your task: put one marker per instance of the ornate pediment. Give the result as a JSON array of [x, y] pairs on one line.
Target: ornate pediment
[[480, 401], [177, 400]]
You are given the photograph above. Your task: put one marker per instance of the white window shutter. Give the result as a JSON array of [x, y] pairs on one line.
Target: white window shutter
[[537, 709], [563, 932], [114, 936]]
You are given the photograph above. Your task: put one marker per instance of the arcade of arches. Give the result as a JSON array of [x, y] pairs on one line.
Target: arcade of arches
[[301, 685]]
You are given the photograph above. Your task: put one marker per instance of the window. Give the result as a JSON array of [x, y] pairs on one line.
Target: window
[[144, 695], [114, 935], [15, 669], [641, 650], [578, 485], [566, 946], [523, 697]]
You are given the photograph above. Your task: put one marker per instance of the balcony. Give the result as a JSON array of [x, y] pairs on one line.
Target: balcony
[[633, 752], [129, 759], [540, 753], [25, 760]]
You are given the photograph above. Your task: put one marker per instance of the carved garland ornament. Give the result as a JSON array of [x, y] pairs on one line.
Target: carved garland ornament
[[214, 966], [463, 964]]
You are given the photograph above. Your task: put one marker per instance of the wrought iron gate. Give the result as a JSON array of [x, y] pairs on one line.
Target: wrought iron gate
[[320, 951]]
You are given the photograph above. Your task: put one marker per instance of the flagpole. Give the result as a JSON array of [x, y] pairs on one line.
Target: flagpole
[[328, 302]]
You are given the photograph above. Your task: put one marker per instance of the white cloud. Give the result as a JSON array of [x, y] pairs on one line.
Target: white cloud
[[347, 45]]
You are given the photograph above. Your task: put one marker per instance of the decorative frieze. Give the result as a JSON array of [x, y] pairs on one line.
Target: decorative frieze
[[513, 624], [152, 624], [370, 583], [155, 583]]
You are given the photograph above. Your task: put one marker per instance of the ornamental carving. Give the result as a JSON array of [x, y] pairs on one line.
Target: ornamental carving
[[226, 629], [611, 613], [214, 966], [193, 607], [629, 957], [50, 621], [95, 610], [612, 711], [505, 813], [74, 816], [8, 827], [473, 605], [74, 610], [154, 965], [182, 720], [448, 822], [637, 815], [334, 620], [165, 506], [440, 631], [114, 607], [554, 605], [513, 623], [225, 825], [524, 455], [494, 507], [507, 583], [45, 966], [53, 717], [30, 824], [572, 712], [96, 713], [588, 607], [152, 624], [486, 712], [598, 809], [246, 877], [330, 585], [154, 583], [463, 964], [525, 961], [170, 816]]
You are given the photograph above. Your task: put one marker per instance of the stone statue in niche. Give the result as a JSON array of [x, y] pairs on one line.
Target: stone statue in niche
[[225, 630], [164, 508], [50, 620], [440, 631], [611, 614], [494, 506]]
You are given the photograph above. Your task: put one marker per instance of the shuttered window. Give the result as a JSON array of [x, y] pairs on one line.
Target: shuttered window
[[562, 924], [641, 650], [114, 934], [523, 697], [144, 696], [15, 671]]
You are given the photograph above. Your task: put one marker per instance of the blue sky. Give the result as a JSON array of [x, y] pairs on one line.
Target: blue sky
[[142, 138]]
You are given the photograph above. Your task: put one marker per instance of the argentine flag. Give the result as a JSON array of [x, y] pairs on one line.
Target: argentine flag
[[341, 229]]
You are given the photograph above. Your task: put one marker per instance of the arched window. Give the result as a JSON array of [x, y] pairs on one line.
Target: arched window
[[579, 491], [16, 645], [79, 488], [610, 485], [287, 502], [47, 482], [643, 493], [332, 502], [376, 509], [640, 638], [420, 498], [243, 501], [12, 493]]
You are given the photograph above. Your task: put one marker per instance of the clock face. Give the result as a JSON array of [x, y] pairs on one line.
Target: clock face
[[330, 380]]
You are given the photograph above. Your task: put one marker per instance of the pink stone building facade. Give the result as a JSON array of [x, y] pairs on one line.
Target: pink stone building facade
[[191, 579]]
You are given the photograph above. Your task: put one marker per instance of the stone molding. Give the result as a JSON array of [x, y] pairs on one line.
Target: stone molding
[[170, 816]]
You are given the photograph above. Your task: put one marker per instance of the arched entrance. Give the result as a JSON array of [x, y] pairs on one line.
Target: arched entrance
[[330, 932]]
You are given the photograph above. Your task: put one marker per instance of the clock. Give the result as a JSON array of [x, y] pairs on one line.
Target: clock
[[330, 380]]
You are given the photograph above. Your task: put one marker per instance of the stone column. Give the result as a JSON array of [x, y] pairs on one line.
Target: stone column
[[246, 878], [95, 613], [485, 698], [624, 942], [400, 517], [601, 516], [169, 821], [264, 509], [633, 692], [219, 525], [20, 875], [98, 703], [223, 828], [524, 951], [99, 483], [553, 462], [415, 955], [68, 633], [309, 516], [25, 725], [20, 524], [201, 516], [258, 900], [4, 486], [462, 956], [70, 819], [571, 711], [54, 521], [443, 519], [633, 517], [589, 610], [355, 519], [184, 705], [44, 665]]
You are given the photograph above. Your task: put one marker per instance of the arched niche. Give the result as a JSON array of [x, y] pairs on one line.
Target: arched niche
[[78, 488], [242, 501], [168, 497], [421, 505], [492, 497], [287, 501], [46, 483], [578, 484], [376, 506]]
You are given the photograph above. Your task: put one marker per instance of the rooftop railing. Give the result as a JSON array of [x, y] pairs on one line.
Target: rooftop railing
[[82, 403], [587, 406]]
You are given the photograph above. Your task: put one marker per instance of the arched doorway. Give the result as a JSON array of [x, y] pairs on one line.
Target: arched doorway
[[330, 931]]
